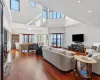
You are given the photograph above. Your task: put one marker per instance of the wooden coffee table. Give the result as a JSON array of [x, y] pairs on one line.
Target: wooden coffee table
[[88, 64]]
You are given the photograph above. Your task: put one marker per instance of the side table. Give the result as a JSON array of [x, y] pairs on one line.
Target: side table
[[88, 62]]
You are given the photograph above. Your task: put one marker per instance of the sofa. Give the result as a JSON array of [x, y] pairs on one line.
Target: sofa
[[96, 66], [28, 46], [94, 48], [62, 59]]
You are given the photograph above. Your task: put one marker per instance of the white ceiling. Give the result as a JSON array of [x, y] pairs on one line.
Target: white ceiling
[[75, 10], [26, 13], [71, 8]]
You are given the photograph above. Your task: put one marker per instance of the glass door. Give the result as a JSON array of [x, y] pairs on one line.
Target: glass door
[[1, 41], [57, 40], [28, 38]]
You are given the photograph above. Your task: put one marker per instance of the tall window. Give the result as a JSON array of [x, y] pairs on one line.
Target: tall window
[[50, 14], [45, 13], [62, 16], [40, 38], [58, 15], [15, 5], [56, 39], [55, 15], [28, 38]]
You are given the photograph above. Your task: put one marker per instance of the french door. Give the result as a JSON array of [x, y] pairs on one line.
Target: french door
[[56, 40], [28, 38]]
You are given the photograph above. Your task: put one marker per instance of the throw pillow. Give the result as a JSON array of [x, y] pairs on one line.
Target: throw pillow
[[94, 47], [96, 55]]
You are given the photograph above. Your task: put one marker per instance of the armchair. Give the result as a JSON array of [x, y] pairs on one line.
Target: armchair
[[23, 47], [95, 48]]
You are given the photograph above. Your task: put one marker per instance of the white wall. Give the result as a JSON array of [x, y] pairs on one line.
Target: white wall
[[56, 30], [7, 21], [7, 13], [61, 22], [6, 24], [56, 22], [23, 29], [26, 13], [91, 33]]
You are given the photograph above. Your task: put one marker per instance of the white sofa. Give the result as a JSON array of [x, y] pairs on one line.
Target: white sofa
[[59, 58], [95, 48]]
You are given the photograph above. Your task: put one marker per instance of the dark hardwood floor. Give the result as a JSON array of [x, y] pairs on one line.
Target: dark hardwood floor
[[26, 66]]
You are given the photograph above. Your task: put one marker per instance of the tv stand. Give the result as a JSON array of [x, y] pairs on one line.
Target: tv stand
[[77, 47]]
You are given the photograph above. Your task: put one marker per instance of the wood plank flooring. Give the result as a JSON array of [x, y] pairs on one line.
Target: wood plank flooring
[[26, 66]]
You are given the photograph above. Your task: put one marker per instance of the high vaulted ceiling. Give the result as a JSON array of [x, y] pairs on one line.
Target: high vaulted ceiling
[[86, 11], [26, 13]]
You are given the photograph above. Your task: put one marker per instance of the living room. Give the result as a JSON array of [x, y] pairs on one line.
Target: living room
[[51, 37]]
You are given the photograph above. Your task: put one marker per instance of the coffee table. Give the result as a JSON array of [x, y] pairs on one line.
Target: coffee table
[[88, 62]]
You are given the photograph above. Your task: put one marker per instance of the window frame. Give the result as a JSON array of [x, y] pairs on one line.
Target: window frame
[[62, 17], [46, 10], [31, 5], [53, 15], [1, 33], [28, 37], [49, 14], [56, 15], [56, 44], [14, 9]]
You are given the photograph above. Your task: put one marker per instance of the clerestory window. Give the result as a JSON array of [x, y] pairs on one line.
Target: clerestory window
[[15, 5]]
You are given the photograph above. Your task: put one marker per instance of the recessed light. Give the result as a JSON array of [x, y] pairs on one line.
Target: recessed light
[[96, 17], [79, 1], [29, 29], [89, 11]]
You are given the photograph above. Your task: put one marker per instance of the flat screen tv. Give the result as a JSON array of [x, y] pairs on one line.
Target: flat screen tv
[[78, 37]]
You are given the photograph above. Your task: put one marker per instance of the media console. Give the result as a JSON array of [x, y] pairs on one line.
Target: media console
[[77, 47]]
